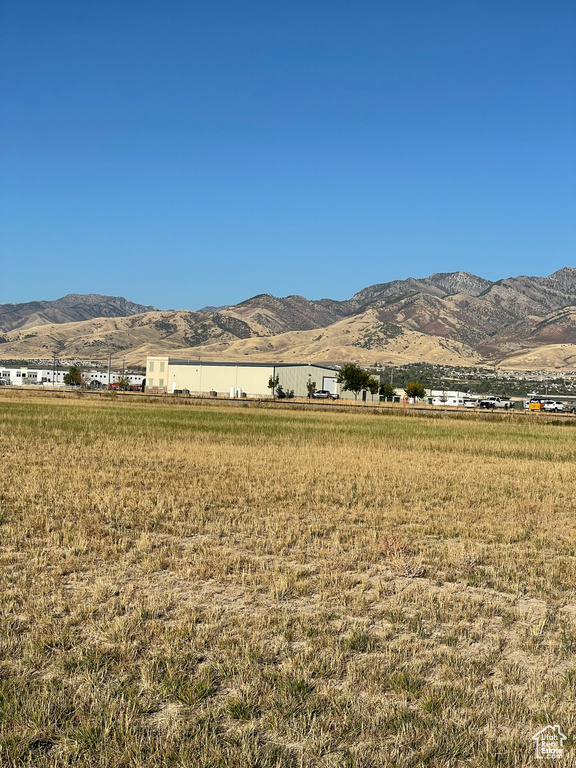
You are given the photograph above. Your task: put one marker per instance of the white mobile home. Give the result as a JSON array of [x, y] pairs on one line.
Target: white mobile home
[[24, 376], [446, 397]]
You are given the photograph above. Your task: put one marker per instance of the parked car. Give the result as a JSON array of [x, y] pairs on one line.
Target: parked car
[[496, 402], [324, 393], [471, 402], [554, 405]]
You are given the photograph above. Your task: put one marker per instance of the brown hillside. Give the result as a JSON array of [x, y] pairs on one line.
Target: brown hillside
[[447, 317]]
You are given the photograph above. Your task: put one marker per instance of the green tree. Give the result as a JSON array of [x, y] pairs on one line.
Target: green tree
[[310, 386], [415, 389], [123, 383], [74, 377], [273, 382], [373, 386], [353, 378], [387, 390]]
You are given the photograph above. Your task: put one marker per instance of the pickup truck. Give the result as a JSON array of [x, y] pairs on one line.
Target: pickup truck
[[496, 402], [324, 393]]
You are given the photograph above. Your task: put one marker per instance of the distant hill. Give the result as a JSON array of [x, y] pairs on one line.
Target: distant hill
[[456, 318], [68, 309]]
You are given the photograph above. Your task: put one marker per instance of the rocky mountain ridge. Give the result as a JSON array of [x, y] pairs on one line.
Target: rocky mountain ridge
[[458, 314], [69, 309]]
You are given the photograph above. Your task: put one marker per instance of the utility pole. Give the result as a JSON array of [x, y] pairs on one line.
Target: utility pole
[[109, 362], [123, 364], [54, 370]]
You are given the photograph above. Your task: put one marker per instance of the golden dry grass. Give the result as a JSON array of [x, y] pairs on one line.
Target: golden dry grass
[[202, 586]]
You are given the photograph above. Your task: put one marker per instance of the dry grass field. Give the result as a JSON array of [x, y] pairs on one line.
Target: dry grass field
[[258, 588]]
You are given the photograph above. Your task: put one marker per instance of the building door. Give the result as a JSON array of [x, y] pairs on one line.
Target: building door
[[329, 383]]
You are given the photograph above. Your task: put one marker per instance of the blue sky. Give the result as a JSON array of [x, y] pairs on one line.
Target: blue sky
[[190, 153]]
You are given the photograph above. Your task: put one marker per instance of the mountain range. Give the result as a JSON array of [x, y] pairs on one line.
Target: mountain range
[[453, 318], [69, 309]]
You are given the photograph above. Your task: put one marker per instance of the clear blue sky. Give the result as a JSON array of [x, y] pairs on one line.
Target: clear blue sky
[[187, 153]]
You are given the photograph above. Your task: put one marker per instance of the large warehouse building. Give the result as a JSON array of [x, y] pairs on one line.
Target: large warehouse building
[[168, 374]]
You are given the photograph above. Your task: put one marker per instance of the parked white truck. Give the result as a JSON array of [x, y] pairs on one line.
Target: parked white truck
[[491, 401]]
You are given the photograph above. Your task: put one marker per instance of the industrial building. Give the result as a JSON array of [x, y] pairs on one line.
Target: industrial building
[[201, 377]]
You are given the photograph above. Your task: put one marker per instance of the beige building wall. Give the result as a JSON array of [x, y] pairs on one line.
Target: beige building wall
[[156, 374], [204, 378], [164, 375]]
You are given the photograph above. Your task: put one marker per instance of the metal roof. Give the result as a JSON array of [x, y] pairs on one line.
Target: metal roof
[[188, 361]]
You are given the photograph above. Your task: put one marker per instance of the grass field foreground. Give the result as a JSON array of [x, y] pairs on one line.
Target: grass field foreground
[[203, 586]]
